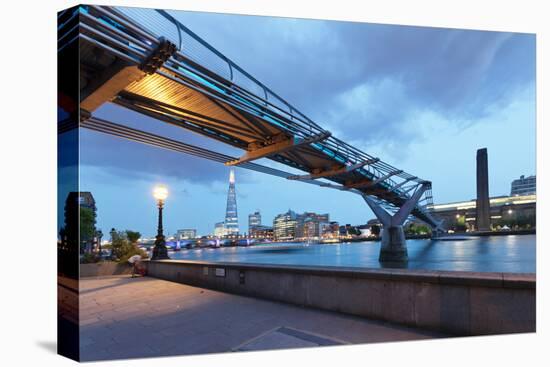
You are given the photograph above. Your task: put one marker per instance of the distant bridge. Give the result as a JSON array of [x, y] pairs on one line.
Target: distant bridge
[[147, 61]]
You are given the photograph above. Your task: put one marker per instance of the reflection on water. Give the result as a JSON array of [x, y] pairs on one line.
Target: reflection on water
[[495, 253]]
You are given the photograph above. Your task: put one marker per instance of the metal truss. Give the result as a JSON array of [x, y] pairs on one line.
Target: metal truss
[[134, 35]]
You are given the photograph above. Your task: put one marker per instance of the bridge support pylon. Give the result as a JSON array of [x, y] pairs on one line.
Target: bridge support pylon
[[393, 247]]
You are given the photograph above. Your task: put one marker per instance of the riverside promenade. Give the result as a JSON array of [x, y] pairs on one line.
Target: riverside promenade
[[121, 317]]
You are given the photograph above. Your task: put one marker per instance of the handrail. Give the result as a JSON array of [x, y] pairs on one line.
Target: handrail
[[114, 30]]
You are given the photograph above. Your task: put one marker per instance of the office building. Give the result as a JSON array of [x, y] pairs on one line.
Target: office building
[[254, 220], [186, 234], [71, 231], [331, 230], [524, 186], [284, 226], [309, 225], [461, 216], [261, 232], [219, 229]]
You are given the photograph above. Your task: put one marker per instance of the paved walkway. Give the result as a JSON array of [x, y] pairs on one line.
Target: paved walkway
[[121, 317]]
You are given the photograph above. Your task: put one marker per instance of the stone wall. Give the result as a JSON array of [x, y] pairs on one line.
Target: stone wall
[[106, 268], [460, 303]]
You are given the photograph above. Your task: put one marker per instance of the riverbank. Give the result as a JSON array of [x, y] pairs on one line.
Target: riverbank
[[410, 237], [459, 303], [504, 233]]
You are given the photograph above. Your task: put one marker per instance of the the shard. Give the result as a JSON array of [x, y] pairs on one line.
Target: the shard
[[231, 217]]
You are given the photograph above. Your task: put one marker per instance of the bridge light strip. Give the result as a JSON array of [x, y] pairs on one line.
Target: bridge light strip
[[334, 172], [382, 166], [115, 12], [277, 148], [218, 89], [320, 147]]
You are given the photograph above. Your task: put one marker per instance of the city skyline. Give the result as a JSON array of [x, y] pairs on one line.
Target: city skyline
[[462, 89], [270, 221]]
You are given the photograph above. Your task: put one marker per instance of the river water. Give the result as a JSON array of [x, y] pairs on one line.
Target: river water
[[514, 253]]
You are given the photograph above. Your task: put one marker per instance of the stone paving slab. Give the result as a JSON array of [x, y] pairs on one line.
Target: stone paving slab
[[284, 338], [145, 317]]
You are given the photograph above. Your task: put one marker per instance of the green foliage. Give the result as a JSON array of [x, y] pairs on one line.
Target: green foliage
[[418, 229], [87, 224], [132, 236], [457, 224], [123, 248], [516, 222], [354, 231], [89, 258]]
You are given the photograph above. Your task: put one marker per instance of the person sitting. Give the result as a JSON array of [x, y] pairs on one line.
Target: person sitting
[[134, 261]]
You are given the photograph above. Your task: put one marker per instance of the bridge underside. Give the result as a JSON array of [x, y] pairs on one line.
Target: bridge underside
[[129, 65]]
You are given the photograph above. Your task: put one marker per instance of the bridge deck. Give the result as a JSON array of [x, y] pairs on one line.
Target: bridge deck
[[199, 89]]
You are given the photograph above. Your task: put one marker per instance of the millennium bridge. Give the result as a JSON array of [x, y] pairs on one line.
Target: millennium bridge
[[145, 60]]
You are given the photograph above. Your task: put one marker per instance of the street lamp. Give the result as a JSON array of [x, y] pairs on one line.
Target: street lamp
[[99, 236], [159, 251]]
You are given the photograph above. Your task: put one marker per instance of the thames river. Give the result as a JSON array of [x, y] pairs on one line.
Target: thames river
[[514, 253]]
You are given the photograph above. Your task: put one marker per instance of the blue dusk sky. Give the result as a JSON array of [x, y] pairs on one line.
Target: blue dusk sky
[[422, 99]]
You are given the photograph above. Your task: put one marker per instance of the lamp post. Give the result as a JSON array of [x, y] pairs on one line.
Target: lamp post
[[159, 251], [99, 236], [113, 235]]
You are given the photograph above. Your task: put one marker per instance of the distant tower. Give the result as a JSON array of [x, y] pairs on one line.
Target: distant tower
[[254, 220], [231, 218], [483, 208]]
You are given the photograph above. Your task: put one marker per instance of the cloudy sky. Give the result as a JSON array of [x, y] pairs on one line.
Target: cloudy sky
[[423, 99]]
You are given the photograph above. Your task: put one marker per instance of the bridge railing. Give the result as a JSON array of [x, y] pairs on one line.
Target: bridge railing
[[141, 29], [161, 23]]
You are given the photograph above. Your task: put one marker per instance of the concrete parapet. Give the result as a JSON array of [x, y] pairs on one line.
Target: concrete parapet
[[460, 303], [106, 268]]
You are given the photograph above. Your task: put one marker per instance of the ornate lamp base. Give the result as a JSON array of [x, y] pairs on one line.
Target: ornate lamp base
[[160, 252]]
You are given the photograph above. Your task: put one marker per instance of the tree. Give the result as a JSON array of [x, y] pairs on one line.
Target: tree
[[87, 225], [458, 224], [423, 229], [133, 236], [417, 229], [122, 248], [354, 231], [520, 221], [410, 228], [375, 230]]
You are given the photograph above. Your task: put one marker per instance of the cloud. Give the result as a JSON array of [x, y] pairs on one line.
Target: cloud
[[421, 98], [373, 111], [132, 160], [367, 83], [319, 65]]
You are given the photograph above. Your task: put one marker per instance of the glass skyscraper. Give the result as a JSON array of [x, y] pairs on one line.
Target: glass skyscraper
[[254, 220], [231, 218]]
